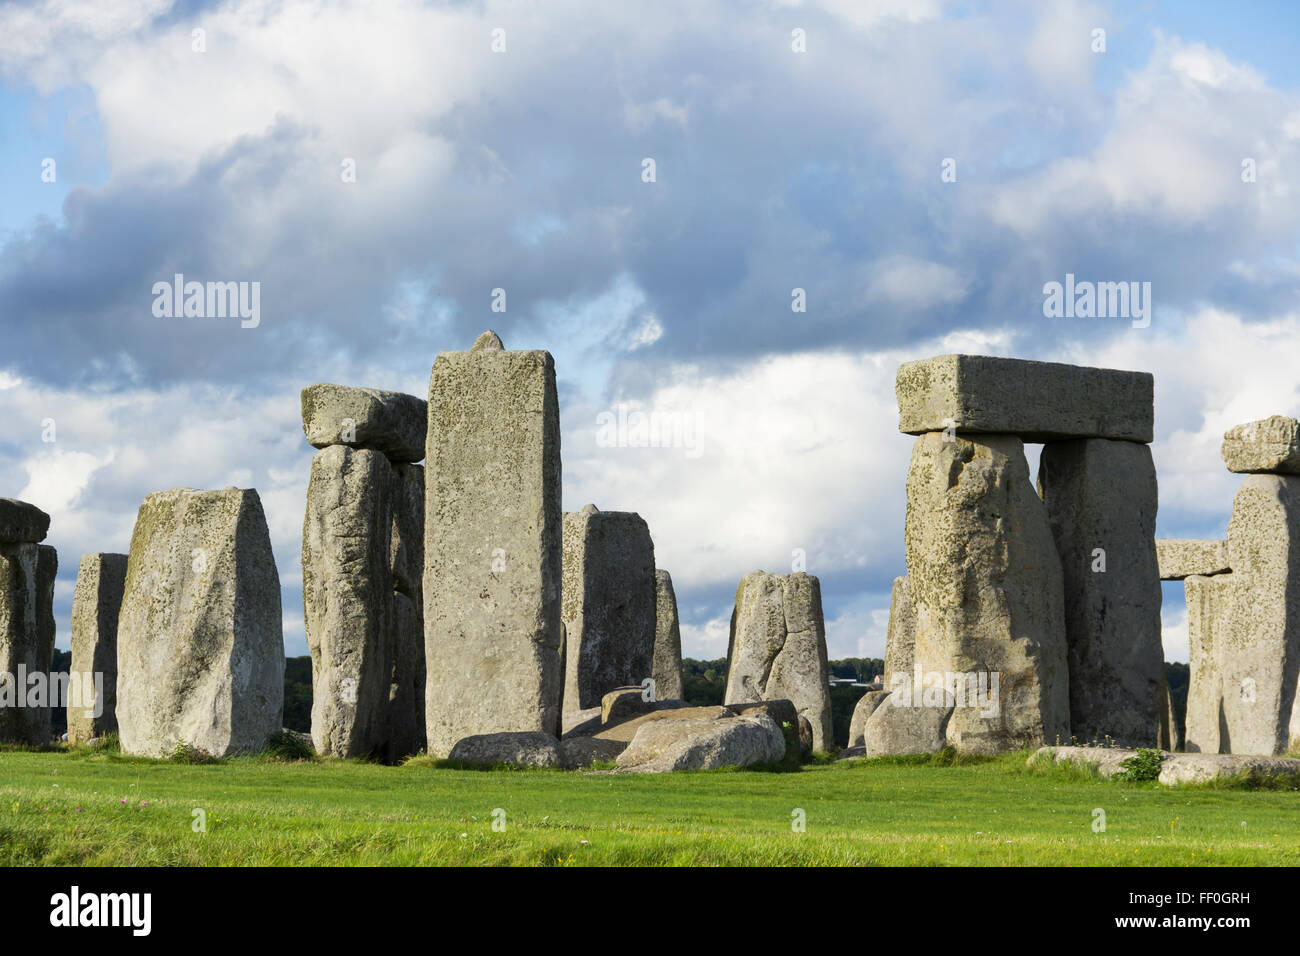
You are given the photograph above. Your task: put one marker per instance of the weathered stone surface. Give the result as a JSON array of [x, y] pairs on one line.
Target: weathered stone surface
[[778, 647], [96, 603], [579, 752], [21, 522], [1034, 401], [625, 730], [200, 651], [862, 711], [391, 422], [406, 545], [517, 749], [624, 703], [608, 606], [986, 588], [1180, 558], [1203, 768], [916, 727], [47, 569], [1209, 614], [1101, 499], [900, 637], [667, 667], [703, 744], [1168, 736], [405, 734], [20, 645], [348, 598], [1270, 445], [1260, 655], [492, 546]]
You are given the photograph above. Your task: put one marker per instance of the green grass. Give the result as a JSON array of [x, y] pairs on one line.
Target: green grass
[[101, 808]]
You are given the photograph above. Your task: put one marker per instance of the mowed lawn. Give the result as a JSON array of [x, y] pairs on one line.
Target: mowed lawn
[[102, 809]]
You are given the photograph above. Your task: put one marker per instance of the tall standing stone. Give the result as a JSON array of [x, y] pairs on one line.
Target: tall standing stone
[[347, 589], [19, 643], [609, 605], [667, 670], [406, 716], [1209, 613], [492, 545], [900, 636], [26, 621], [1260, 658], [96, 603], [200, 646], [1101, 500], [986, 588], [777, 649]]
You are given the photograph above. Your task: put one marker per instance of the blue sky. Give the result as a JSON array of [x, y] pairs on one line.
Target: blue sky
[[522, 169]]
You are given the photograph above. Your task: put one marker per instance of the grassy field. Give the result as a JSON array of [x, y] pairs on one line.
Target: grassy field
[[102, 808]]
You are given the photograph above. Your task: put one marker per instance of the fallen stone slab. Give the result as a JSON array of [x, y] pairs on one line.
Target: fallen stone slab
[[667, 668], [492, 546], [347, 589], [1034, 401], [703, 744], [1107, 760], [200, 650], [862, 711], [96, 603], [577, 753], [986, 587], [626, 730], [624, 703], [21, 522], [1203, 768], [918, 727], [609, 604], [391, 422], [777, 649], [1180, 558], [522, 749], [1270, 445], [1100, 496]]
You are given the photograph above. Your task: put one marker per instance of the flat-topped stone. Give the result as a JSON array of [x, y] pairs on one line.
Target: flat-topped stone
[[1270, 445], [392, 422], [1035, 401], [22, 522], [1180, 558]]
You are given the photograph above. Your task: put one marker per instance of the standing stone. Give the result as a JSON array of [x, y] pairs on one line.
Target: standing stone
[[667, 670], [47, 570], [1035, 401], [609, 605], [405, 733], [20, 653], [391, 422], [96, 603], [347, 589], [1100, 497], [862, 711], [492, 546], [1168, 737], [900, 637], [778, 648], [200, 649], [1270, 445], [986, 588], [1209, 616], [1260, 655]]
